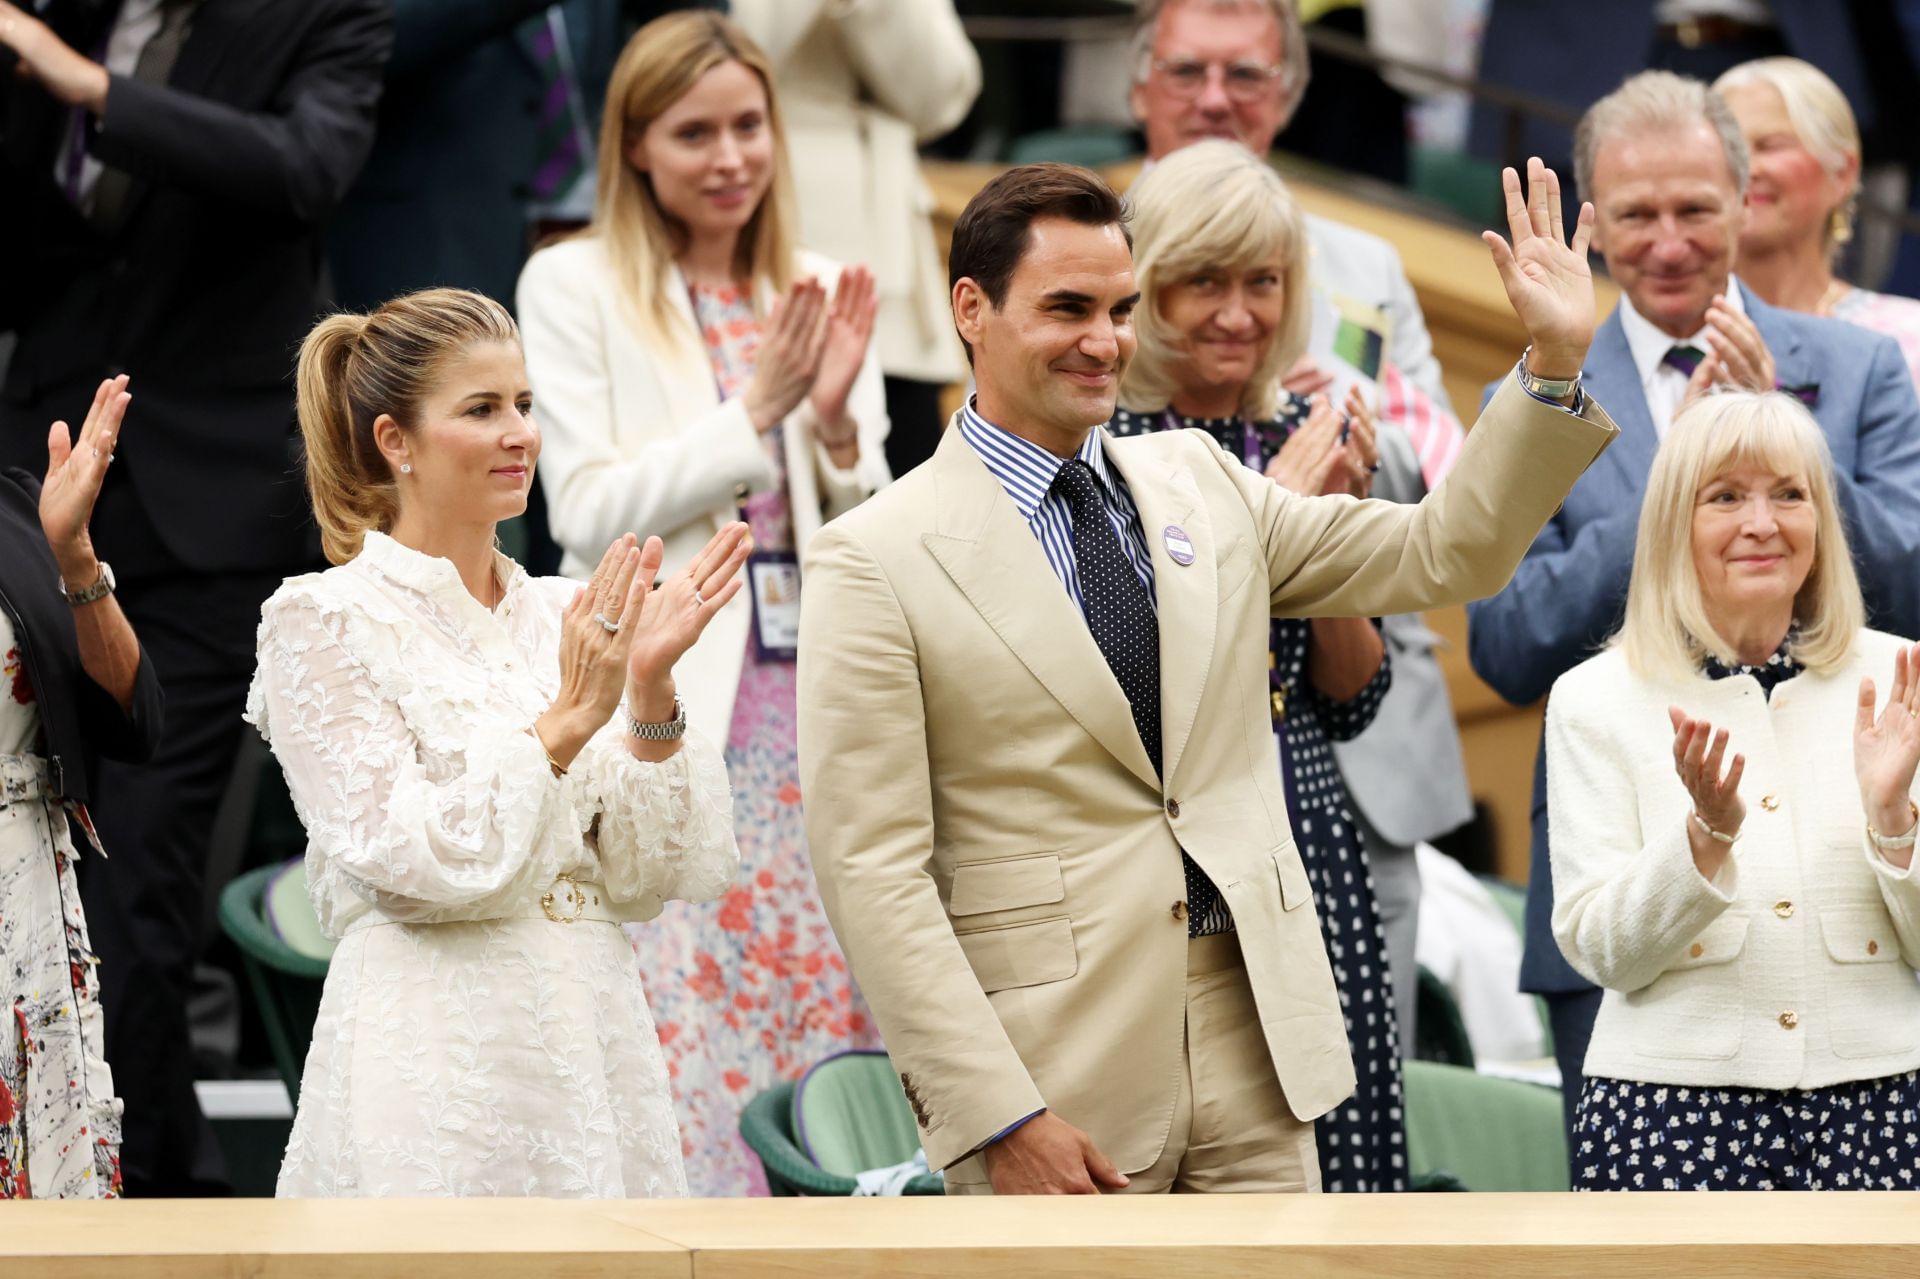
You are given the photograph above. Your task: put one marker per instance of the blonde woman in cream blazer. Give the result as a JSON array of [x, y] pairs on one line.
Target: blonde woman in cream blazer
[[1731, 826], [692, 367]]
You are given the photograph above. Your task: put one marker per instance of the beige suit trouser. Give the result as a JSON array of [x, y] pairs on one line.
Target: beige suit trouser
[[1232, 1129]]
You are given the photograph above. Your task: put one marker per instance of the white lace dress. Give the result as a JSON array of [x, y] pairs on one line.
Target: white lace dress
[[466, 1045]]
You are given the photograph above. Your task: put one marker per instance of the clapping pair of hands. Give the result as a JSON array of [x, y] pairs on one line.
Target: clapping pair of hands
[[811, 348], [1886, 750], [1320, 458]]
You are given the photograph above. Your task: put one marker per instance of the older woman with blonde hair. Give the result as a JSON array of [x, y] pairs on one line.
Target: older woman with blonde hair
[[1736, 879], [694, 367], [1801, 197], [1220, 256]]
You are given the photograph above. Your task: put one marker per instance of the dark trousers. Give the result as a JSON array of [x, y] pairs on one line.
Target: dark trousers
[[1571, 1015], [146, 906], [914, 423]]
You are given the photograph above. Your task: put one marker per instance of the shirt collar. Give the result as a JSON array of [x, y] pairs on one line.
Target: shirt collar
[[1649, 345], [431, 575], [1025, 470]]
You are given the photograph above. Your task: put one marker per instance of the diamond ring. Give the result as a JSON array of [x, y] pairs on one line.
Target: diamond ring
[[611, 627]]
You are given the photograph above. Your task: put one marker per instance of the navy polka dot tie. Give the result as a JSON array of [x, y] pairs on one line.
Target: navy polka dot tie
[[1122, 620]]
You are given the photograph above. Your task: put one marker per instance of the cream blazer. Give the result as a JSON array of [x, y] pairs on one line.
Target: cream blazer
[[1793, 968], [995, 852], [636, 439], [862, 84]]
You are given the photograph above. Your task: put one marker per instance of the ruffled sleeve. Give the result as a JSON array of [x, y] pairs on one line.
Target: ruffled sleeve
[[665, 829], [460, 831]]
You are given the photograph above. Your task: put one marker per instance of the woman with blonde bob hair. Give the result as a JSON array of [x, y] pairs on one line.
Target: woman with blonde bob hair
[[1801, 196], [1220, 255], [1760, 1027], [693, 368], [494, 771]]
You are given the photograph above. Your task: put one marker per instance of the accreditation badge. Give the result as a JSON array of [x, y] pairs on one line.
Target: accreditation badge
[[774, 579]]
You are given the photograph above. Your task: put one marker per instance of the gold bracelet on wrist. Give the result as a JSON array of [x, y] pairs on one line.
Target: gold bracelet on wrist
[[559, 770]]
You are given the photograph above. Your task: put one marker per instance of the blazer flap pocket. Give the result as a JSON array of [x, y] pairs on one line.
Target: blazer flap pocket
[[1717, 943], [1859, 935], [1295, 890], [1007, 884], [1028, 954]]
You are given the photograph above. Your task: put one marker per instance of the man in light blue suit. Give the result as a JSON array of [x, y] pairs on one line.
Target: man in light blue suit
[[1665, 166]]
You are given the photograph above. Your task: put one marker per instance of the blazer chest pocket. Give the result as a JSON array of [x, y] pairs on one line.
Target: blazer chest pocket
[[1010, 883], [1025, 954]]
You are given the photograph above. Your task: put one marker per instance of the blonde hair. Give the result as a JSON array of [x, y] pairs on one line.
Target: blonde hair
[[1821, 119], [352, 369], [1651, 102], [642, 240], [1213, 205], [1296, 66], [1666, 631]]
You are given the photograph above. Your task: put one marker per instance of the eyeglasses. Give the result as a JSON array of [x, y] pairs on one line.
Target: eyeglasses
[[1245, 81]]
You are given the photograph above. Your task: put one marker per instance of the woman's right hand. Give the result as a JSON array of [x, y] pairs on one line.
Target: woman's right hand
[[593, 659], [1312, 461], [788, 359], [1698, 752]]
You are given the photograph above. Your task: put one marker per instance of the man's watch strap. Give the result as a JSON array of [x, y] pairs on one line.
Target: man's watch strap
[[1543, 387], [98, 589]]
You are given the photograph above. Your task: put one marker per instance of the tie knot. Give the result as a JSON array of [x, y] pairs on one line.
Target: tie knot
[[1683, 357], [1075, 480]]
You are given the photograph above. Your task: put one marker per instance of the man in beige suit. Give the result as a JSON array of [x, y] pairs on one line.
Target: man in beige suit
[[1034, 736]]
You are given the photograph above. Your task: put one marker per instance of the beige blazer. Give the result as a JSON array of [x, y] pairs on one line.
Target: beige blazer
[[1806, 918], [636, 438], [995, 853], [862, 84]]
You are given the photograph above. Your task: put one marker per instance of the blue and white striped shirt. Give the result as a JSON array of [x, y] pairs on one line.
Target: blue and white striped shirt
[[1026, 471]]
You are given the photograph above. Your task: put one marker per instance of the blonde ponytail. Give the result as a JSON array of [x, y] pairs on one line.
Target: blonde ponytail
[[352, 369]]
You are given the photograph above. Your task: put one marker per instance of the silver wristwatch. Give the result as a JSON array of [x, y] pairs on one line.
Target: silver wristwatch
[[672, 730], [1545, 387], [99, 589]]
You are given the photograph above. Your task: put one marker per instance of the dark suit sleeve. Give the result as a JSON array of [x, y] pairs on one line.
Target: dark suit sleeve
[[429, 33], [1565, 598], [132, 734], [297, 158], [1880, 499]]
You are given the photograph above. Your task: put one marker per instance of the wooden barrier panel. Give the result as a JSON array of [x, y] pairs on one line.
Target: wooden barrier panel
[[1648, 1236]]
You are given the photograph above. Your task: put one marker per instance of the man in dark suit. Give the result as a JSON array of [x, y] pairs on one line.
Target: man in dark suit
[[167, 165], [1665, 165]]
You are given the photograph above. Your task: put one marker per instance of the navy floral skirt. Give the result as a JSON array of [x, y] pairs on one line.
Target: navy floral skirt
[[1852, 1136]]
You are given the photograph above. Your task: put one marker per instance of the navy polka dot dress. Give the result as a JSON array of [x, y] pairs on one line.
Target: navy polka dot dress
[[1362, 1142]]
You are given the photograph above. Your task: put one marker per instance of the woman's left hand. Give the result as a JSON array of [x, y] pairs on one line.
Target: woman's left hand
[[75, 469], [1887, 749], [674, 613], [1363, 442], [849, 322]]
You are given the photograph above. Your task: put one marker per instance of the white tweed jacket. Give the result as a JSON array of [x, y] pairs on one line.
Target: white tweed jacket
[[1793, 968]]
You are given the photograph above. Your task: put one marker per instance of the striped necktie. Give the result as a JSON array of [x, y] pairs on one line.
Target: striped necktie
[[562, 144]]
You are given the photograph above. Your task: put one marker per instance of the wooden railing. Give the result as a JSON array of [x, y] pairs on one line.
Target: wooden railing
[[1648, 1236]]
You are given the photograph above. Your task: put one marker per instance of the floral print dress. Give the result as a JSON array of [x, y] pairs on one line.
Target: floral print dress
[[59, 1119], [753, 989]]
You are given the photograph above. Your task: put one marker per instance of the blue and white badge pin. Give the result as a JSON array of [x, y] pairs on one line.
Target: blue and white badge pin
[[1179, 545]]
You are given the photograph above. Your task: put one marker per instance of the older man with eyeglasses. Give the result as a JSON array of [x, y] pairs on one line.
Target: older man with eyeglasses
[[1237, 69]]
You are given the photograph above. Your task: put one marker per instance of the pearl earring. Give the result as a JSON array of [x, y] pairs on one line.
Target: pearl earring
[[406, 468]]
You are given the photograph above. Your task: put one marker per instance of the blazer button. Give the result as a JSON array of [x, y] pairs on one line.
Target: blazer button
[[1784, 909], [1770, 802], [1279, 700], [1179, 912], [1873, 947], [1789, 1019], [1696, 950], [1173, 808]]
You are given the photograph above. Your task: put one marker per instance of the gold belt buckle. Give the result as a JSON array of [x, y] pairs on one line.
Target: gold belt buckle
[[579, 903]]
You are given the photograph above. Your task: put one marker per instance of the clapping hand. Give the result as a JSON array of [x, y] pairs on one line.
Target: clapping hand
[[1738, 357], [787, 362], [1313, 461], [1548, 281], [849, 328], [75, 470], [1363, 443], [671, 615], [1698, 753], [71, 77], [1887, 749]]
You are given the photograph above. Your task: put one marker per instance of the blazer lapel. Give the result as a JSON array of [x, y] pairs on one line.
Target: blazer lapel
[[1187, 594], [1614, 381], [1790, 367], [996, 561]]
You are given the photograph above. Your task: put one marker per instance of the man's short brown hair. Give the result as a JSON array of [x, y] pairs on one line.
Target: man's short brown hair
[[992, 233]]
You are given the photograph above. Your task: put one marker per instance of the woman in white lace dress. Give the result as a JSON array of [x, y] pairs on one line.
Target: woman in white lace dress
[[482, 810]]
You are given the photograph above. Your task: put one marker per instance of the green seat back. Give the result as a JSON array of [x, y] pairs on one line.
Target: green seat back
[[290, 914], [850, 1116], [1512, 899], [1492, 1134], [286, 984], [1441, 1033]]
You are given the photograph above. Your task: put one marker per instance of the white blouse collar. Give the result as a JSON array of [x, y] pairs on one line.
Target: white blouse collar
[[432, 575]]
